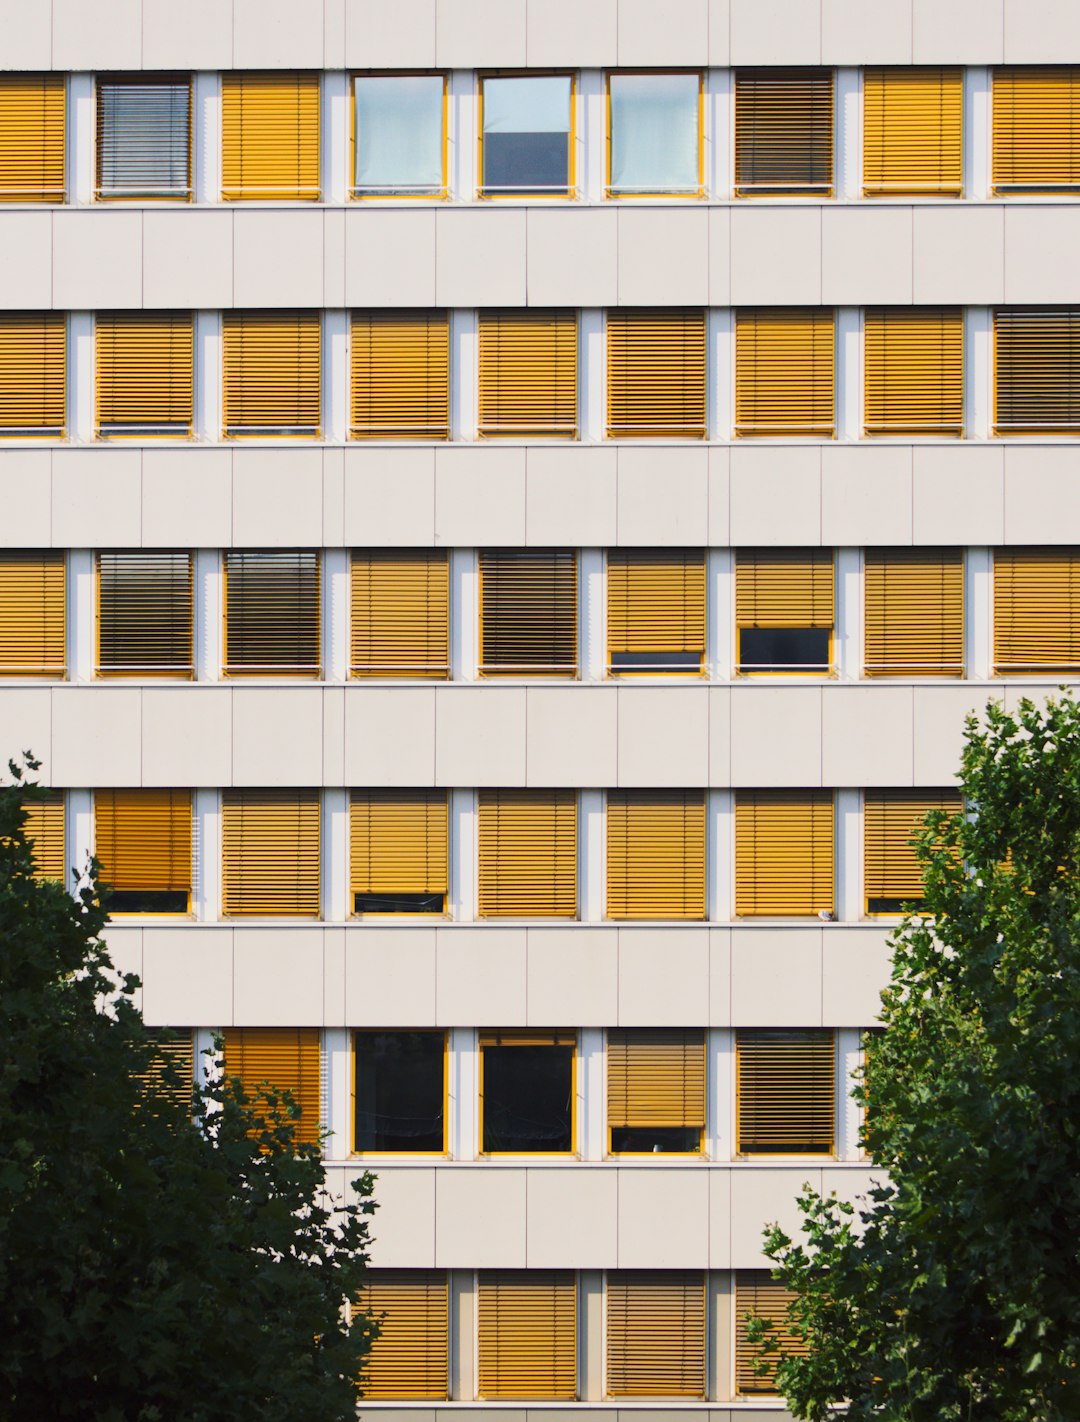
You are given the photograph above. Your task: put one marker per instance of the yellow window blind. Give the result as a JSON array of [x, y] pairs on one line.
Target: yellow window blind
[[33, 373], [270, 136], [784, 373], [528, 853], [32, 114], [785, 1092], [400, 375], [272, 613], [783, 852], [270, 852], [280, 1059], [656, 1082], [1036, 372], [143, 840], [527, 1334], [175, 1051], [914, 612], [783, 131], [44, 827], [528, 373], [410, 1359], [758, 1296], [145, 614], [784, 609], [656, 367], [33, 616], [399, 851], [656, 854], [528, 612], [914, 371], [400, 613], [1036, 611], [912, 132], [1036, 123], [273, 373], [892, 874], [656, 611], [144, 373], [656, 1333]]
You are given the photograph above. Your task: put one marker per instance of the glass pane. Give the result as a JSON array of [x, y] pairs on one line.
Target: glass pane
[[654, 133], [527, 134], [399, 134], [399, 1091], [143, 148], [527, 1098], [784, 649], [655, 1140]]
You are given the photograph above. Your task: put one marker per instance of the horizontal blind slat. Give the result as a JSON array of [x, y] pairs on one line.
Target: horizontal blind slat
[[410, 1359], [33, 613], [270, 853], [400, 613], [656, 374], [270, 137], [400, 375], [528, 853], [32, 137]]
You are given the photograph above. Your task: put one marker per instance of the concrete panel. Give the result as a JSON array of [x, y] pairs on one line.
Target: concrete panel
[[187, 976], [187, 258], [480, 977], [775, 253], [1042, 494], [866, 494], [719, 496], [663, 496], [572, 253], [404, 1227], [762, 1196], [663, 736], [382, 36], [679, 1197], [27, 31], [775, 495], [277, 498], [719, 1223], [389, 257], [776, 976], [480, 1218], [572, 976], [389, 735], [571, 735], [186, 498], [97, 498], [775, 32], [26, 725], [851, 1183], [125, 952], [195, 35], [334, 220], [959, 253], [26, 273], [277, 257], [1040, 253], [866, 735], [389, 497], [719, 977], [960, 32], [278, 977], [333, 735], [571, 1220], [96, 736], [390, 977], [663, 256], [186, 735], [663, 976], [26, 498], [674, 33], [958, 494], [567, 32], [480, 735], [1040, 31], [853, 32], [775, 736], [865, 255], [570, 496], [96, 34], [719, 256], [939, 713], [277, 736], [278, 34], [480, 497], [480, 255], [97, 259], [855, 965], [480, 34]]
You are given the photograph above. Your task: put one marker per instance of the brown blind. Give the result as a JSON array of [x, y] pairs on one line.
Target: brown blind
[[1036, 143], [785, 372], [785, 1092], [757, 1296], [270, 852], [914, 371], [280, 1059], [273, 372], [143, 839], [892, 874], [656, 1077], [270, 136], [783, 131], [400, 375], [656, 1333], [783, 852], [410, 1359], [1036, 610], [1036, 372], [656, 374], [528, 612], [912, 132], [32, 124], [145, 611], [656, 610], [33, 372], [399, 850], [45, 829], [400, 612], [33, 620], [528, 853], [144, 372], [272, 613], [914, 612], [527, 1334], [528, 373], [655, 854]]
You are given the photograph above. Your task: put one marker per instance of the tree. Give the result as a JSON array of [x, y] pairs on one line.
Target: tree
[[157, 1260], [953, 1292]]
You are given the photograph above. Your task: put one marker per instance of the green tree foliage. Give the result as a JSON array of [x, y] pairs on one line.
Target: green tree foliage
[[157, 1263], [953, 1292]]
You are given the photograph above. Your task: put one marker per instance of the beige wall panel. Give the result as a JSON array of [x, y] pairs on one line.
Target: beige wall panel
[[381, 36], [1041, 31], [567, 32], [939, 713], [96, 737], [762, 1196], [277, 497], [720, 735], [663, 256], [866, 735], [572, 256], [278, 34], [187, 977], [97, 259], [389, 735], [719, 977], [775, 495], [679, 1198], [96, 498], [959, 253], [866, 494], [27, 31], [776, 736], [187, 258], [571, 735], [572, 976], [1042, 494], [334, 220], [866, 31], [404, 1227], [26, 724], [663, 495], [96, 34], [125, 947], [719, 495], [775, 32], [471, 34], [278, 976], [958, 494], [957, 32], [333, 735], [480, 496], [663, 976], [719, 31], [719, 256], [570, 496], [674, 33], [389, 497], [186, 498], [480, 976], [480, 255], [195, 35], [720, 1228], [775, 250], [277, 736], [1040, 253], [480, 1218], [663, 736], [26, 498], [776, 975], [480, 735], [571, 1218], [277, 257], [389, 256], [865, 255], [26, 273], [855, 967], [186, 736], [390, 977]]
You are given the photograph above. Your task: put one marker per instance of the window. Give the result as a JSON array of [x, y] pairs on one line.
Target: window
[[528, 853], [279, 1059], [272, 602], [527, 1092], [526, 139], [893, 875], [44, 827], [270, 137], [33, 374], [33, 614], [32, 137], [785, 373], [270, 853], [1036, 121], [783, 852], [399, 851], [655, 139], [1036, 372], [528, 612], [1036, 611], [656, 374], [914, 611], [656, 1333], [171, 1073], [785, 1092], [400, 613], [914, 372], [527, 1334], [757, 1296], [912, 132], [144, 372], [656, 1091], [784, 610], [272, 373], [400, 375], [400, 136], [410, 1359], [528, 374], [145, 614], [656, 854], [143, 839], [400, 1091], [144, 138], [656, 611], [783, 132]]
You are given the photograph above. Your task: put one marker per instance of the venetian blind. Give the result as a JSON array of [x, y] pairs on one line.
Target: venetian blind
[[912, 132], [656, 1077], [785, 1092], [400, 613], [914, 612], [273, 373], [145, 614], [270, 136], [32, 137], [528, 612], [33, 613], [400, 375], [783, 131], [1036, 610], [656, 368], [272, 613], [914, 371], [656, 610], [410, 1359], [270, 853], [528, 853], [174, 1055], [144, 372], [655, 854], [656, 1333], [279, 1059], [778, 589], [33, 373], [143, 839], [44, 828], [783, 852], [758, 1296], [144, 138], [1036, 129], [399, 849], [528, 373], [892, 874], [1036, 372], [527, 1334], [785, 372]]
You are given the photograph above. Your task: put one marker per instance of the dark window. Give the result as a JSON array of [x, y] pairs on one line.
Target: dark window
[[400, 1091], [527, 1092], [784, 648], [657, 1140]]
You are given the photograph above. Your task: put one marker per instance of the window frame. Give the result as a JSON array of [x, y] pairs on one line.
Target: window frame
[[57, 81], [103, 673], [397, 915], [236, 192], [234, 672], [746, 671], [573, 1151], [443, 194], [667, 194], [188, 911], [135, 78], [274, 434], [525, 194], [784, 1155], [700, 1152], [354, 1067]]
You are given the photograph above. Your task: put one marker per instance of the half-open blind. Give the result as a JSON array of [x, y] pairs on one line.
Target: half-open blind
[[1036, 610], [528, 373], [144, 138], [33, 621], [410, 1359], [527, 1334], [656, 854], [914, 371], [279, 1059], [272, 372], [758, 1296], [44, 827], [783, 131], [892, 874], [656, 610], [528, 853], [33, 373], [144, 371], [528, 612], [783, 852], [912, 131], [914, 612], [145, 611], [778, 588], [270, 852], [1036, 143], [399, 845], [656, 374], [400, 375], [784, 372], [656, 1333], [1037, 372], [270, 136], [785, 1092], [400, 612], [656, 1077], [143, 839], [272, 602], [171, 1072], [32, 108]]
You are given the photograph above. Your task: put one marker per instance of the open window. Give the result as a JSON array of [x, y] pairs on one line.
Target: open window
[[527, 1092], [400, 1092]]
